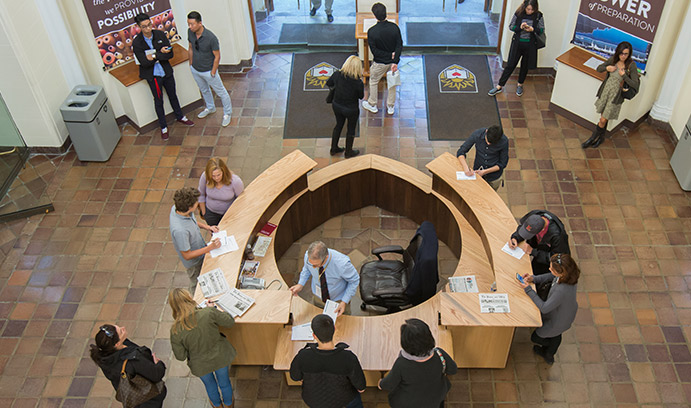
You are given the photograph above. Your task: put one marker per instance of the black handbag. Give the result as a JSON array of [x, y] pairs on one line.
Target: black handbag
[[541, 40], [136, 389], [628, 92], [330, 96], [543, 289]]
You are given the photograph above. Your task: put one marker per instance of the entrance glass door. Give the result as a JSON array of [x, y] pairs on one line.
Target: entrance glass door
[[289, 23], [448, 23]]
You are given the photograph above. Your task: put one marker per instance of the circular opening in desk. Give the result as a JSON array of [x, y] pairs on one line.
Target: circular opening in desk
[[355, 234]]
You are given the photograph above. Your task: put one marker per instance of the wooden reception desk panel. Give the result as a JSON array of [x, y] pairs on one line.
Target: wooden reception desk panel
[[298, 203]]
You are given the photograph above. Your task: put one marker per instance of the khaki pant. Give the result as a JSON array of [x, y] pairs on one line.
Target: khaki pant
[[496, 183], [193, 274], [378, 71], [318, 302]]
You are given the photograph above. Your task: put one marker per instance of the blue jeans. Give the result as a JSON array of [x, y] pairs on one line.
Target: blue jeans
[[215, 380], [356, 402]]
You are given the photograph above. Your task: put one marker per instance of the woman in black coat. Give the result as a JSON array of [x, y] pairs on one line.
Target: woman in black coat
[[418, 378], [348, 90], [527, 23], [112, 348]]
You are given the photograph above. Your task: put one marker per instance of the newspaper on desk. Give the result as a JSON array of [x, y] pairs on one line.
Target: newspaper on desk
[[261, 246], [235, 302], [463, 284], [213, 283], [228, 244], [494, 303]]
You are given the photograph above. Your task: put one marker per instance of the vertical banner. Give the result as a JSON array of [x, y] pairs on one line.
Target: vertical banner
[[112, 22], [602, 24]]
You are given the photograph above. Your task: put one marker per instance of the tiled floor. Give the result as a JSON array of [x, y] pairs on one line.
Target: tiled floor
[[105, 253]]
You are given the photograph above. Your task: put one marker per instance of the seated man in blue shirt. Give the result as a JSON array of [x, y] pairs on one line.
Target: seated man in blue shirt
[[333, 276], [491, 155]]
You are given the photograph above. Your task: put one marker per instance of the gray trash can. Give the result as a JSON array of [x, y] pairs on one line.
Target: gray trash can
[[681, 158], [91, 123]]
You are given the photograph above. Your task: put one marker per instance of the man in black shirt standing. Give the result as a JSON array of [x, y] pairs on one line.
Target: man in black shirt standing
[[541, 234], [491, 154], [331, 375], [386, 44]]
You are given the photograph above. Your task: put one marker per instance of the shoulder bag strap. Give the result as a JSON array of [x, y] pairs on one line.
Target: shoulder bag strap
[[443, 360], [122, 372]]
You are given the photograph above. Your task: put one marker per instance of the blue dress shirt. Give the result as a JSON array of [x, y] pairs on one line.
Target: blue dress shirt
[[487, 155], [158, 69], [342, 278]]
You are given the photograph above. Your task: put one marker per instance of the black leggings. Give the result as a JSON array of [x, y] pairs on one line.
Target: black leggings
[[342, 114], [212, 218], [521, 52], [551, 344]]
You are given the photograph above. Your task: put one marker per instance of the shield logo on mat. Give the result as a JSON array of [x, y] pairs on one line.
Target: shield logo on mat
[[316, 77], [457, 79]]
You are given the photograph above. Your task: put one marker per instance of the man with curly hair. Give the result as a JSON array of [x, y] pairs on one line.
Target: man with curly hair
[[187, 238]]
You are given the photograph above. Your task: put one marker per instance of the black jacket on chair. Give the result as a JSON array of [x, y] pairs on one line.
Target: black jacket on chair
[[146, 67], [423, 283]]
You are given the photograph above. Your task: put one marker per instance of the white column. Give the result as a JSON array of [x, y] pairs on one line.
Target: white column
[[61, 41], [677, 70]]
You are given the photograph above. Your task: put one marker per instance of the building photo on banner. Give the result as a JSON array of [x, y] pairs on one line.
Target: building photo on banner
[[602, 24], [114, 29]]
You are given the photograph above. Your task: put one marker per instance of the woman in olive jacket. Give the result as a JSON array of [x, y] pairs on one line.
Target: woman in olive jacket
[[195, 337], [622, 73]]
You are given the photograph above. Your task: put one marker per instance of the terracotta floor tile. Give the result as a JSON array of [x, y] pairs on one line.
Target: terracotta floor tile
[[105, 253]]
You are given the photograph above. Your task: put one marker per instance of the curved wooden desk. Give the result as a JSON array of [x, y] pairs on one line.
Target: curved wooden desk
[[298, 203]]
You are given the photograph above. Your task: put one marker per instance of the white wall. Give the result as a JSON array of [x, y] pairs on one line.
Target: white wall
[[31, 81], [560, 21], [228, 19]]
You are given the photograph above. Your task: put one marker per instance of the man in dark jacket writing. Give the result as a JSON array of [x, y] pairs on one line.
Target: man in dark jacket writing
[[541, 234], [331, 375]]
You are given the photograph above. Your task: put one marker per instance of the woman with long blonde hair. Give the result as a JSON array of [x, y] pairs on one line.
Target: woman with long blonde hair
[[195, 337], [219, 187], [348, 90]]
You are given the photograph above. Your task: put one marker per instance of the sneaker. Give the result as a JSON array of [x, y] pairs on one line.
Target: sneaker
[[313, 11], [494, 91], [519, 90], [186, 121], [226, 120], [369, 107], [164, 133], [330, 18], [205, 113], [390, 110]]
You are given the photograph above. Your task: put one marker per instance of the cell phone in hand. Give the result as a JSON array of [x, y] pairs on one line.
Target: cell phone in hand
[[520, 278]]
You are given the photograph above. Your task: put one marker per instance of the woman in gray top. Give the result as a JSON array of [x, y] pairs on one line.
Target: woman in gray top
[[559, 309]]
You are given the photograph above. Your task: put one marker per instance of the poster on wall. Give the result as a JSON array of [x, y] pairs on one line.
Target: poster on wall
[[602, 24], [112, 22]]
